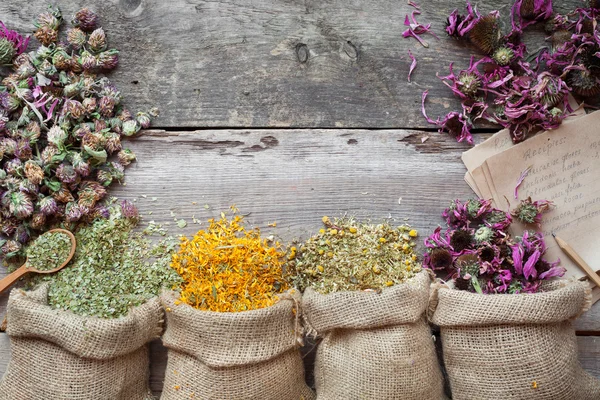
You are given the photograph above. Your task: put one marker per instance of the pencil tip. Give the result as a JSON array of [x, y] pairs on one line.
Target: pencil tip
[[553, 234]]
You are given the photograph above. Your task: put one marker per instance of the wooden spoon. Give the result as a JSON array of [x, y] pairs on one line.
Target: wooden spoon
[[8, 280]]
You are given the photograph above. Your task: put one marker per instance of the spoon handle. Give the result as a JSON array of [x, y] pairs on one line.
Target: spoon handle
[[8, 280]]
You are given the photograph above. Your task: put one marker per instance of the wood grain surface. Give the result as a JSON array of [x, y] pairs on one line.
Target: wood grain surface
[[286, 63]]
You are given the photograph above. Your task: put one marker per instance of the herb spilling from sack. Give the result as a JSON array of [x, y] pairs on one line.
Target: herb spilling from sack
[[347, 255], [114, 268], [228, 268], [479, 255], [60, 123], [510, 86], [49, 251]]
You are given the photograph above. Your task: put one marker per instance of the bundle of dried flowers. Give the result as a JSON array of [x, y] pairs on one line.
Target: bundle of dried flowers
[[509, 87], [60, 123], [479, 254]]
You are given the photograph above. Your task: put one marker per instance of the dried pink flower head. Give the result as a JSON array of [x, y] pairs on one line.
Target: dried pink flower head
[[86, 20]]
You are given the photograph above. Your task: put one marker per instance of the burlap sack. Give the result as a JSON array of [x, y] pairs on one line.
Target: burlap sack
[[243, 355], [58, 355], [514, 346], [375, 346]]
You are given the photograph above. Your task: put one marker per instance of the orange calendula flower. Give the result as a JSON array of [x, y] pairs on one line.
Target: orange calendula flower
[[227, 268]]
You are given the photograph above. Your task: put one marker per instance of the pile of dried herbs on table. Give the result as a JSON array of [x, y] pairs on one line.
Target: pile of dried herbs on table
[[348, 255], [61, 125], [229, 268], [114, 267], [509, 84], [49, 251]]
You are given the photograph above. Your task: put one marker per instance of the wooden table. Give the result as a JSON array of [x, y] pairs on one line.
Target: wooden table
[[289, 109]]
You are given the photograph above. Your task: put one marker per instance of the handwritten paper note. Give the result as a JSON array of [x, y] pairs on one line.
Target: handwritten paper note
[[565, 168]]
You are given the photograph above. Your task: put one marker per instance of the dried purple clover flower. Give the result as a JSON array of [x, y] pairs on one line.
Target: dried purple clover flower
[[108, 59], [129, 210], [11, 247], [47, 206], [33, 172], [97, 40], [144, 119], [86, 20], [530, 212], [130, 127], [21, 205], [76, 38], [73, 212], [126, 156]]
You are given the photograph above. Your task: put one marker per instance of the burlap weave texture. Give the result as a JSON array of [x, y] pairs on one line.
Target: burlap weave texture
[[375, 345], [250, 355], [59, 355], [514, 346]]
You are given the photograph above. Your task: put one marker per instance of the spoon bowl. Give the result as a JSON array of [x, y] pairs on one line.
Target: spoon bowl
[[8, 280]]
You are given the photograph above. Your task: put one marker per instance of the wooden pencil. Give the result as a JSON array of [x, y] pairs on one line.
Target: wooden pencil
[[577, 260]]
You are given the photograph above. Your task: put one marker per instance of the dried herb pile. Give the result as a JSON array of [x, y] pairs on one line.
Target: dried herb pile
[[348, 255], [479, 255], [114, 268], [509, 85], [228, 268], [49, 251], [61, 121]]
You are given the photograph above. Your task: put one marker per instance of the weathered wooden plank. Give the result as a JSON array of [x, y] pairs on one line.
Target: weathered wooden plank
[[301, 63]]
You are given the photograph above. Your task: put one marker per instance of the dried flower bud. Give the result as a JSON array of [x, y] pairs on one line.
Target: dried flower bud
[[97, 40], [99, 192], [72, 212], [130, 128], [503, 56], [99, 125], [48, 154], [9, 225], [583, 83], [47, 205], [86, 20], [106, 106], [113, 142], [23, 149], [126, 156], [33, 172], [47, 68], [115, 123], [11, 246], [50, 19], [46, 35], [13, 167], [21, 205], [129, 210], [61, 60], [87, 61], [74, 108], [486, 34], [143, 119], [100, 212], [21, 234], [81, 166], [117, 170], [90, 104], [63, 194], [92, 140], [440, 259], [26, 70], [86, 198], [57, 136], [108, 60], [104, 177], [470, 83], [559, 38], [66, 173], [72, 89], [83, 130], [38, 221], [7, 51], [8, 146], [76, 38], [26, 186]]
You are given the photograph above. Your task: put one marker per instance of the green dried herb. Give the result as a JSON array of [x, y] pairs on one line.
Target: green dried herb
[[114, 268], [49, 251], [348, 255]]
